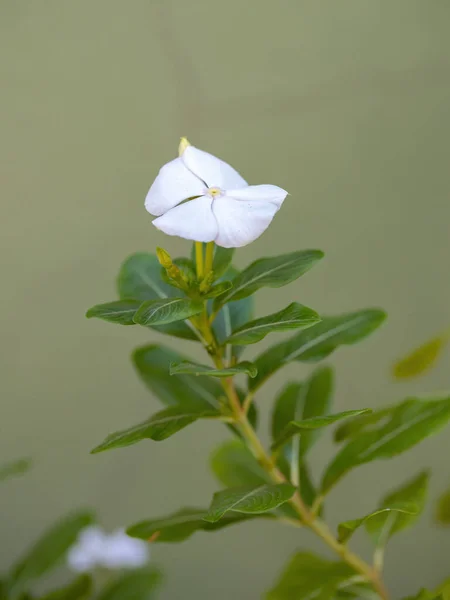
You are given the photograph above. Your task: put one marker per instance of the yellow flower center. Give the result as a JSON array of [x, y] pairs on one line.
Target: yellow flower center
[[214, 192]]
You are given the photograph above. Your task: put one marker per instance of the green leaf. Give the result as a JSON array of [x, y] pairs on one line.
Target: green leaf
[[420, 360], [153, 364], [292, 317], [78, 589], [218, 289], [317, 342], [317, 402], [410, 422], [249, 500], [426, 595], [234, 465], [356, 425], [162, 312], [135, 585], [195, 369], [348, 528], [222, 260], [14, 468], [443, 509], [298, 427], [181, 525], [270, 272], [159, 427], [310, 576], [120, 311], [140, 279], [408, 501], [48, 551]]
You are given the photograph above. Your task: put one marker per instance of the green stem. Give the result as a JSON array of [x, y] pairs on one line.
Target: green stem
[[199, 259], [209, 257]]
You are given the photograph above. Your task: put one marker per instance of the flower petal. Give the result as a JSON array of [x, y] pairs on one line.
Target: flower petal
[[193, 220], [213, 171], [124, 552], [263, 193], [241, 222], [174, 183]]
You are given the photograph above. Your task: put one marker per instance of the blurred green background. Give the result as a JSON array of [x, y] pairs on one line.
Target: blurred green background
[[344, 104]]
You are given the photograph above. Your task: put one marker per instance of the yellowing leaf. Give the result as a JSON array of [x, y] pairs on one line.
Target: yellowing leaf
[[419, 360]]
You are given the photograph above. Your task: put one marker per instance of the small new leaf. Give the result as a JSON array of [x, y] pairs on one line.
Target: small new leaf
[[294, 316], [298, 427], [249, 500], [270, 272], [348, 528], [162, 312], [195, 369], [119, 311], [159, 427], [410, 422]]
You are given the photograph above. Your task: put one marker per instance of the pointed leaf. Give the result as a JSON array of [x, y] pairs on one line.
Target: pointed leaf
[[234, 465], [140, 279], [182, 524], [410, 422], [14, 468], [294, 316], [420, 360], [48, 551], [317, 342], [120, 311], [409, 500], [348, 528], [161, 312], [195, 369], [222, 260], [354, 426], [79, 589], [317, 402], [153, 366], [139, 584], [298, 427], [249, 500], [310, 576], [443, 509], [218, 289], [159, 427], [270, 272]]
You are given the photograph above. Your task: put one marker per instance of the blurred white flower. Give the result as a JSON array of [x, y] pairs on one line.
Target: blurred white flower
[[200, 197], [95, 548]]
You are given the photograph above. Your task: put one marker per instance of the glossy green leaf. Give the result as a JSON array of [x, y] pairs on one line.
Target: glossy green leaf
[[222, 260], [153, 366], [48, 551], [419, 360], [443, 509], [295, 316], [139, 584], [188, 368], [14, 468], [140, 279], [408, 500], [234, 465], [162, 312], [310, 576], [120, 311], [317, 342], [179, 526], [249, 500], [159, 427], [298, 427], [410, 422], [354, 426], [381, 516], [78, 589], [270, 272]]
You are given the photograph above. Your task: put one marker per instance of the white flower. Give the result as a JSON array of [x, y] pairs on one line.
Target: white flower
[[95, 548], [199, 197]]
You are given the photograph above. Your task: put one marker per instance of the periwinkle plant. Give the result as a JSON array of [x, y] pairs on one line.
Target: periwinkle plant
[[205, 299]]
